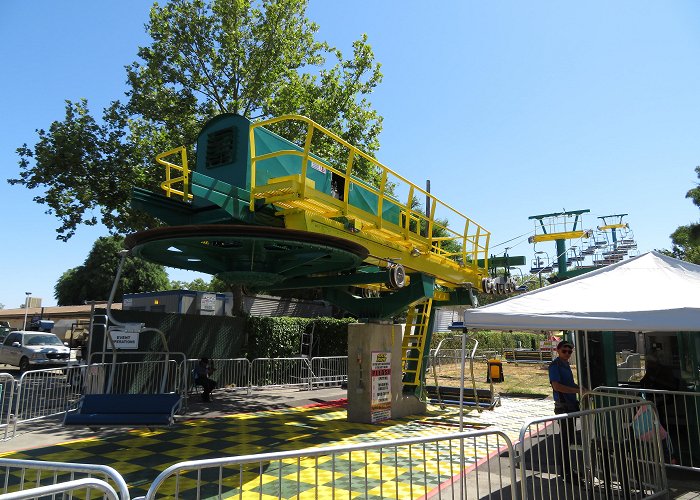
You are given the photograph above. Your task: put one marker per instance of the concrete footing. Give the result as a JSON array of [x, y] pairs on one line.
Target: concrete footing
[[373, 393]]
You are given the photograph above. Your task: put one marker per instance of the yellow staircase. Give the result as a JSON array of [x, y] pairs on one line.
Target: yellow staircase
[[413, 347]]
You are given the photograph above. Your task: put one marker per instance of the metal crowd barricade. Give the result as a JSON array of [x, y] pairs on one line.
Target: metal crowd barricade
[[67, 488], [461, 465], [7, 400], [30, 475], [329, 371], [229, 373], [142, 377], [162, 373], [280, 372], [679, 416], [48, 392], [595, 454]]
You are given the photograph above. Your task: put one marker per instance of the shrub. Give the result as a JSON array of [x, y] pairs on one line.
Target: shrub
[[280, 337], [495, 339]]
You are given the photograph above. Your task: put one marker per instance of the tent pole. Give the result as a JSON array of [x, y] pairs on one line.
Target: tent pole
[[461, 385], [463, 475], [588, 361]]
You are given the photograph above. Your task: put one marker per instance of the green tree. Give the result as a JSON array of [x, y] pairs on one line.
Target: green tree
[[258, 58], [93, 280], [686, 239], [216, 284], [197, 284]]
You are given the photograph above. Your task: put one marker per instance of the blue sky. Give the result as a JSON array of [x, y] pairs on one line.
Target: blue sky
[[510, 108]]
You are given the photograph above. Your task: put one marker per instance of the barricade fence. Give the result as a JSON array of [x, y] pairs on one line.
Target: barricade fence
[[679, 417], [511, 355], [66, 489], [48, 392], [329, 371], [231, 373], [601, 453], [160, 372], [607, 452], [7, 395], [30, 475], [438, 466], [280, 372], [241, 373]]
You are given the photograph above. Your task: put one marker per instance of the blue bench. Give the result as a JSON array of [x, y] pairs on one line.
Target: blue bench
[[148, 410]]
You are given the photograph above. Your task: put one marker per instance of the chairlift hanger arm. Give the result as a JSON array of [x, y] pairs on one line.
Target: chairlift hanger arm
[[559, 214]]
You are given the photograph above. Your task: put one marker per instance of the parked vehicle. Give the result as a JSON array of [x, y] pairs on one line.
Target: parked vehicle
[[33, 349]]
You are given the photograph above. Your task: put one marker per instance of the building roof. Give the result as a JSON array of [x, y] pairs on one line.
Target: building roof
[[54, 310]]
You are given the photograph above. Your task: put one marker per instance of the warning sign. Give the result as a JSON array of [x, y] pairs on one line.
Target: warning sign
[[381, 386]]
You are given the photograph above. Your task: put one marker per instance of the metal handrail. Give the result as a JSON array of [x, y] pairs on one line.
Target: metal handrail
[[67, 487], [583, 415], [7, 405], [469, 258], [180, 358], [199, 465], [676, 407], [92, 470], [167, 184]]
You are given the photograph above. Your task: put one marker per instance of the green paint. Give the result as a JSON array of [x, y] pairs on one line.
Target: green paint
[[386, 306], [561, 256]]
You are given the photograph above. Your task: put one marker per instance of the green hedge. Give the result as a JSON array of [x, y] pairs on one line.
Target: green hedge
[[280, 337], [496, 339]]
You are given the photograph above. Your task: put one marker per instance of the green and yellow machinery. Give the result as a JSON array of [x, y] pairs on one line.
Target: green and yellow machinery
[[271, 213]]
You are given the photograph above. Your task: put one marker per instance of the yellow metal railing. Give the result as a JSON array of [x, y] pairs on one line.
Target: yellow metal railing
[[473, 240], [182, 173]]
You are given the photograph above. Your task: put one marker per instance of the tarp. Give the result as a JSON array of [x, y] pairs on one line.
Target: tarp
[[651, 292]]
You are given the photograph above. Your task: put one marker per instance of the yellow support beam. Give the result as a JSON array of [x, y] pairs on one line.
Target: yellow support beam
[[612, 226], [565, 235]]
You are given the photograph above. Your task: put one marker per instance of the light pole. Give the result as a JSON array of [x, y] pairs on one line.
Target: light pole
[[26, 308]]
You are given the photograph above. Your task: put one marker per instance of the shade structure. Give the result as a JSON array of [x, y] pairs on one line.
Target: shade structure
[[651, 292]]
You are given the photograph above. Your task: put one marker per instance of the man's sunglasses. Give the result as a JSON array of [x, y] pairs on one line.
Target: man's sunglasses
[[567, 351]]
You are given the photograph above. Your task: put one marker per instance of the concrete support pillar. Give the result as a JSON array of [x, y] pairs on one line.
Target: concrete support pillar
[[363, 340]]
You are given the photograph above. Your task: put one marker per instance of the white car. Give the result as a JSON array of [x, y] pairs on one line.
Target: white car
[[33, 349]]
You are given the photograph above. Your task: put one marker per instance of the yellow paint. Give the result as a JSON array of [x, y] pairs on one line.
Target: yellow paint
[[307, 209], [414, 337], [409, 240], [612, 226], [170, 182], [564, 235]]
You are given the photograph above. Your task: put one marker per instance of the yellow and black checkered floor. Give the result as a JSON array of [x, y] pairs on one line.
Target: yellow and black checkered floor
[[140, 455]]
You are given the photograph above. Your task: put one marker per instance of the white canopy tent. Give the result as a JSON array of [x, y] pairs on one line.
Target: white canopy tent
[[651, 292]]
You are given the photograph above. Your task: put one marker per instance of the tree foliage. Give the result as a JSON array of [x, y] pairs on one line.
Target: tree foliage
[[686, 239], [93, 280], [214, 285], [258, 58]]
